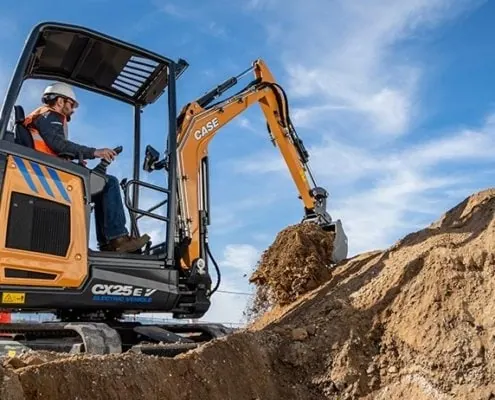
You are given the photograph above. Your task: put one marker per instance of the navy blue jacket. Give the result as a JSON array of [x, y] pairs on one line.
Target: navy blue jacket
[[51, 129]]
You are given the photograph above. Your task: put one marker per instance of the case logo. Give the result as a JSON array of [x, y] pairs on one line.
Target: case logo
[[206, 128]]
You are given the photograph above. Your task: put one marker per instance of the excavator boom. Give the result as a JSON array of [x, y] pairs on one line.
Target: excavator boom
[[198, 123]]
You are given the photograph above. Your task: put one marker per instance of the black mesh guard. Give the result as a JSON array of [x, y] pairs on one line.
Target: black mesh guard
[[38, 225]]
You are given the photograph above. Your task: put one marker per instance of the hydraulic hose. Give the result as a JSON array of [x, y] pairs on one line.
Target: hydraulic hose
[[216, 268]]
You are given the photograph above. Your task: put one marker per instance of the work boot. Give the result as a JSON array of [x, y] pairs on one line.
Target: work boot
[[126, 244]]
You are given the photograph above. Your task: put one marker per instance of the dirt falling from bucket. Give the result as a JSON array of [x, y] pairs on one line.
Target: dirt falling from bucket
[[298, 261]]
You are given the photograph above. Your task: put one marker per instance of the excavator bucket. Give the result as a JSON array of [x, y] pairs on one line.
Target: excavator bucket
[[340, 242], [319, 215], [340, 246]]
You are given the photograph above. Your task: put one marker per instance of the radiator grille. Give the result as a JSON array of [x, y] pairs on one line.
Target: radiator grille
[[38, 225]]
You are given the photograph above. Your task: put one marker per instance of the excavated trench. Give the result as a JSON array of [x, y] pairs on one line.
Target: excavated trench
[[414, 321]]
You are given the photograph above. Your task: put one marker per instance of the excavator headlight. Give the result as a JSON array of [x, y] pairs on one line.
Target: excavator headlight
[[200, 266]]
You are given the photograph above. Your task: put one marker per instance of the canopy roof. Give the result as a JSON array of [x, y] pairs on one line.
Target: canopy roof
[[97, 62]]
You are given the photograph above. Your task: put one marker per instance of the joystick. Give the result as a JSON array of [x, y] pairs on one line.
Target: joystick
[[103, 164]]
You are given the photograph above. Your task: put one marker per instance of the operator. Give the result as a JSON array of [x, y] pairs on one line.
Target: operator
[[48, 127]]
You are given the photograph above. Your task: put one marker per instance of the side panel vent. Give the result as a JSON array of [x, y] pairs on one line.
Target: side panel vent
[[38, 225], [23, 274]]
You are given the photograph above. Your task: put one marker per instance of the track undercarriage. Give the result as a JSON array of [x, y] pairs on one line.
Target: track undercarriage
[[109, 337]]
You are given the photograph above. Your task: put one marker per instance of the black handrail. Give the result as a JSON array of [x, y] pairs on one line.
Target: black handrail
[[136, 210], [158, 205]]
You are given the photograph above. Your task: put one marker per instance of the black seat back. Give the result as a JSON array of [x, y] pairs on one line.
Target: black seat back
[[22, 135]]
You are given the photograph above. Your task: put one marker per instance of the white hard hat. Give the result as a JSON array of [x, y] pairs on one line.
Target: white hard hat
[[61, 89]]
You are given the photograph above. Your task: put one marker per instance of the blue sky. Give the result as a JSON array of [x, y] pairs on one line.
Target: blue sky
[[394, 101]]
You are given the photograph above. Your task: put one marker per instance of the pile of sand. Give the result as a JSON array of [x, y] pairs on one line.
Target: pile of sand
[[413, 322], [416, 318]]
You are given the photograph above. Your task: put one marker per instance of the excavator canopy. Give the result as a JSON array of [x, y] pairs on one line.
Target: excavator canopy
[[97, 62], [105, 65]]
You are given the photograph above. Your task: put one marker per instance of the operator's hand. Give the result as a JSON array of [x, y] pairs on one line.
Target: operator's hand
[[107, 154]]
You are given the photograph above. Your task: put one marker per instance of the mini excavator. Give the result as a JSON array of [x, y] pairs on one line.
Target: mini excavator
[[46, 264]]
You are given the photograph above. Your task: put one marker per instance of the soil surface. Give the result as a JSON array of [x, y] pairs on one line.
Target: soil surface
[[412, 322]]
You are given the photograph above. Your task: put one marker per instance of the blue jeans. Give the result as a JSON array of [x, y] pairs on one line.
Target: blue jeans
[[109, 212]]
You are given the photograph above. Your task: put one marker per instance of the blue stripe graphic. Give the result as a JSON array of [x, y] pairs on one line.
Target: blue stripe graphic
[[41, 177], [25, 173], [56, 178]]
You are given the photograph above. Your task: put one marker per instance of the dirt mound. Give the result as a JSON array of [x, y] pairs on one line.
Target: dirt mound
[[415, 318], [235, 368], [33, 358], [298, 261], [414, 321]]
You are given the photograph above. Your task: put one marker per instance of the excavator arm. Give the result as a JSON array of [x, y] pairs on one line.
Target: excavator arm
[[198, 123]]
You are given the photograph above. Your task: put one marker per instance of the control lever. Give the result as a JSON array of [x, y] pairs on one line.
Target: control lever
[[103, 164]]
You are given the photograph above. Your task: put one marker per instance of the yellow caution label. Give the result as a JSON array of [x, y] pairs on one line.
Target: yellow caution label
[[13, 298], [12, 353]]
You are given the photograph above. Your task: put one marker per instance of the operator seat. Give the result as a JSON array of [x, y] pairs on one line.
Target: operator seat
[[22, 135]]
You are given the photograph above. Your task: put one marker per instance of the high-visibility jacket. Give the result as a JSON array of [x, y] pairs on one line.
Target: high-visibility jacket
[[39, 143]]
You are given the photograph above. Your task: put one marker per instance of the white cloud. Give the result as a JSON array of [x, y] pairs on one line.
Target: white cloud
[[372, 218], [467, 144], [342, 54], [242, 257], [387, 108], [216, 30], [170, 9], [309, 116], [245, 123]]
